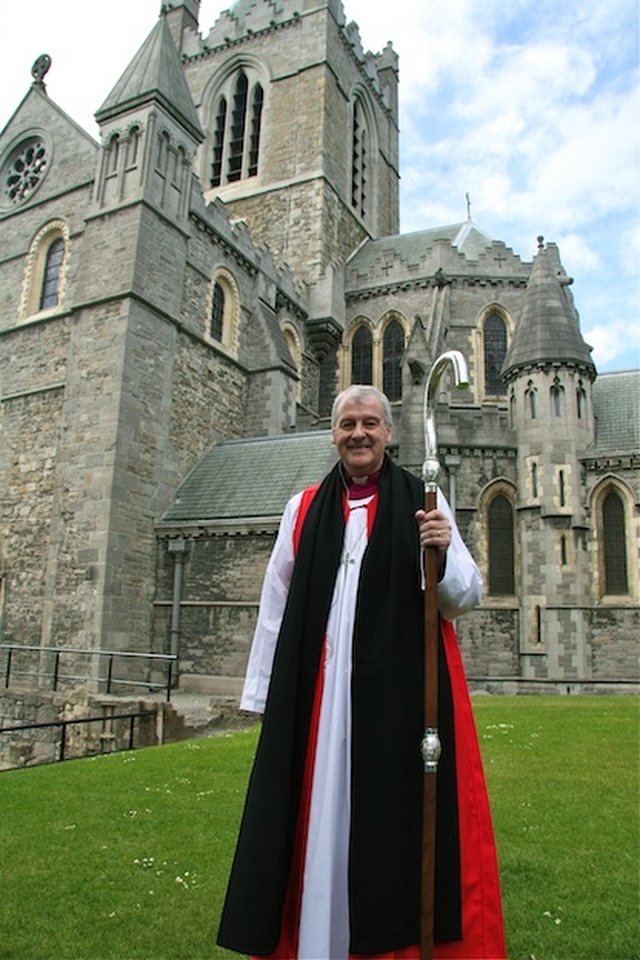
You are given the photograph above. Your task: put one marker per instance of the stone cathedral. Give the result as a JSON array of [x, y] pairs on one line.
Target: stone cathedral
[[182, 300]]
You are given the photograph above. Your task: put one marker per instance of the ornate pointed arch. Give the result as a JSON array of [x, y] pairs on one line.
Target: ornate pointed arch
[[494, 332], [392, 340], [45, 271], [234, 108], [498, 557], [292, 338], [363, 154], [616, 530], [223, 311]]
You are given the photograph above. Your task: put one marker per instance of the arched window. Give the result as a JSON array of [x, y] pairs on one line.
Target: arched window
[[217, 313], [495, 349], [113, 154], [237, 125], [50, 290], [501, 547], [614, 545], [223, 311], [581, 400], [293, 344], [392, 353], [218, 142], [530, 394], [133, 143], [556, 393], [359, 159], [534, 480], [362, 356], [257, 102]]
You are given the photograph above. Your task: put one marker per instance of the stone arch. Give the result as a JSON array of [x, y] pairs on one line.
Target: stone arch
[[389, 352], [38, 265], [361, 327], [292, 338], [222, 161], [498, 554], [490, 350], [610, 538], [223, 311], [362, 154]]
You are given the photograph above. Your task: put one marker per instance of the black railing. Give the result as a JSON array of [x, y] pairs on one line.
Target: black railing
[[168, 663], [128, 741]]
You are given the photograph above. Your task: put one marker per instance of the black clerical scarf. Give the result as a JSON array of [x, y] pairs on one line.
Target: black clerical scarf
[[388, 723]]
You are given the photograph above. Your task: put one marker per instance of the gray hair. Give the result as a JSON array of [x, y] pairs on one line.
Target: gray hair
[[359, 392]]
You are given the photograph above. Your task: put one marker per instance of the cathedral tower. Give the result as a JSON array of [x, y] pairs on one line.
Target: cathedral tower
[[301, 128]]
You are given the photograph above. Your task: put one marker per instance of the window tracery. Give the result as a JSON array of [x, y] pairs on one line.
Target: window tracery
[[495, 349], [24, 170], [235, 148]]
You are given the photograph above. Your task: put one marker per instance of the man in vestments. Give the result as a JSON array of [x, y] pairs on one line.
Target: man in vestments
[[328, 861]]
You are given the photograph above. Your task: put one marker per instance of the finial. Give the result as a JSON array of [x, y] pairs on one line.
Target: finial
[[468, 206], [540, 243], [39, 70]]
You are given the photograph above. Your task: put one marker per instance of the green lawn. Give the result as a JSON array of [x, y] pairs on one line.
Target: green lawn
[[126, 856]]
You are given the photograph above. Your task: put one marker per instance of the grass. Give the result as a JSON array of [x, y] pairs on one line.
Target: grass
[[126, 856]]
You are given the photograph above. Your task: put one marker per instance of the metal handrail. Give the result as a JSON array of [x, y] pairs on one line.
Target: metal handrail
[[63, 724], [109, 680]]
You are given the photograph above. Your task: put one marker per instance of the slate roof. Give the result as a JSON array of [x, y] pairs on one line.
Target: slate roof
[[548, 327], [412, 247], [155, 73], [243, 479], [616, 404]]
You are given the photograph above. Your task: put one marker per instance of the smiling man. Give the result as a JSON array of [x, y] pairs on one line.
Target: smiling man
[[327, 865]]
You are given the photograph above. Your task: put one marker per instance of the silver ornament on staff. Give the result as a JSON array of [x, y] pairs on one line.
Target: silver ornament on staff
[[431, 747]]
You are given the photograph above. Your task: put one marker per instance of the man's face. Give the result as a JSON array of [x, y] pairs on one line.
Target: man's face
[[361, 435]]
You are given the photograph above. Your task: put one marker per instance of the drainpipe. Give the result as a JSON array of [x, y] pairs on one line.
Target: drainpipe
[[178, 548]]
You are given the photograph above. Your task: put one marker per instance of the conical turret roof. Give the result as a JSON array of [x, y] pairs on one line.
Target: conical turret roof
[[155, 73], [548, 329]]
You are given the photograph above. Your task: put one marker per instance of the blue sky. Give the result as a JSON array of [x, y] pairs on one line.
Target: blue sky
[[530, 106]]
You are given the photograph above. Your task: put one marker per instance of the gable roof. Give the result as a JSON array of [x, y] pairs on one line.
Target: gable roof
[[243, 479]]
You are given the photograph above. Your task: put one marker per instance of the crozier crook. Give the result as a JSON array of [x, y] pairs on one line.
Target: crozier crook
[[431, 748]]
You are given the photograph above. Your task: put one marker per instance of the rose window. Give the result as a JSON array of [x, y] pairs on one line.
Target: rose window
[[24, 170]]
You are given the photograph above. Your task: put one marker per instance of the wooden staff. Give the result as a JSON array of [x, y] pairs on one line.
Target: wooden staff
[[431, 747]]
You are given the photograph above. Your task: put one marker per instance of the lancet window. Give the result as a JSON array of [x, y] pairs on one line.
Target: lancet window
[[495, 349], [237, 129], [360, 159], [392, 353], [50, 290], [614, 545], [217, 313], [557, 391], [362, 356], [501, 546]]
